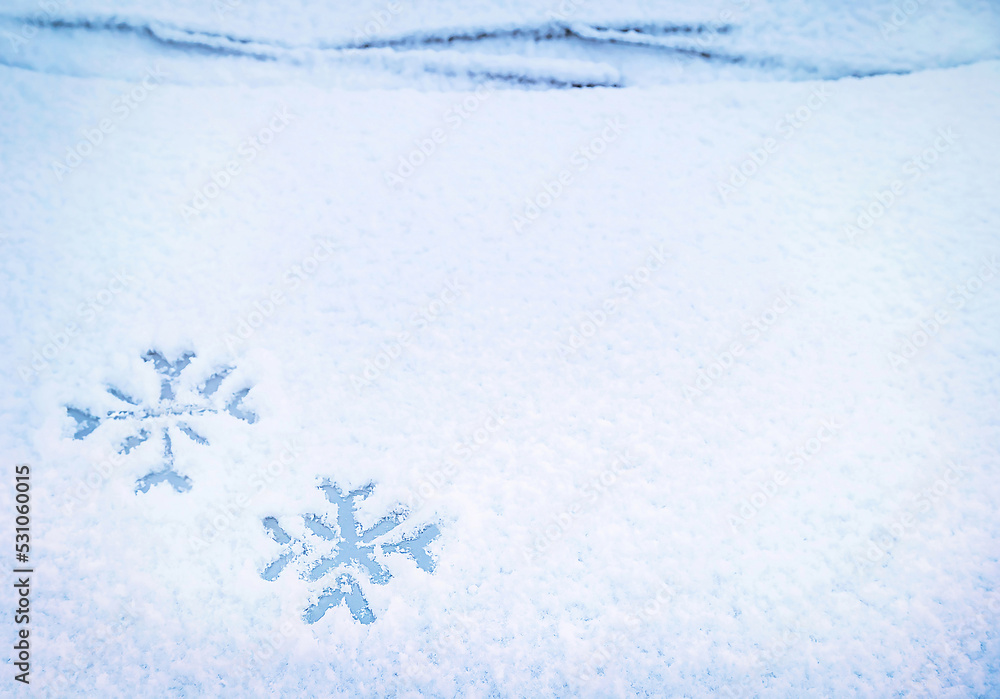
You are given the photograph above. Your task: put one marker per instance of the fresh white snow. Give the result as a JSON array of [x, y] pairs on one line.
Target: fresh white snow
[[696, 378]]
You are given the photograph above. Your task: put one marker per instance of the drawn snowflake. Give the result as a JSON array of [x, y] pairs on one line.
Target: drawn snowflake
[[164, 417], [345, 549]]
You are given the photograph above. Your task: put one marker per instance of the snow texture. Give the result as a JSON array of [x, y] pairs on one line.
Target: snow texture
[[511, 349]]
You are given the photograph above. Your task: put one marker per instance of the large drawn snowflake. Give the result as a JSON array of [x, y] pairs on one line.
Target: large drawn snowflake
[[164, 417], [345, 549]]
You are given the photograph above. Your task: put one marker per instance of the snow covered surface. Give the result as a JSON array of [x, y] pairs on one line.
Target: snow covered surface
[[683, 389]]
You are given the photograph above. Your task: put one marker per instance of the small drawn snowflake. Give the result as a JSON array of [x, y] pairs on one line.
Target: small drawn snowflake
[[167, 415], [345, 548]]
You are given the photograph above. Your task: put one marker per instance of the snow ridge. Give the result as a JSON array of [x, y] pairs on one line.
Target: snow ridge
[[552, 54]]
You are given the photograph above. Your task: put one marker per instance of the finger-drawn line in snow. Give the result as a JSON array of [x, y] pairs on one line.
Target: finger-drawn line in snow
[[346, 550], [164, 416]]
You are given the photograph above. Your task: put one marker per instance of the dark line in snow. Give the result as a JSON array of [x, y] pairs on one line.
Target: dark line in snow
[[265, 50], [196, 43], [545, 32], [639, 36]]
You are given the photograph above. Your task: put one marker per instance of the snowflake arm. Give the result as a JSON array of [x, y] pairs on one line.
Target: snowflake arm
[[347, 591]]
